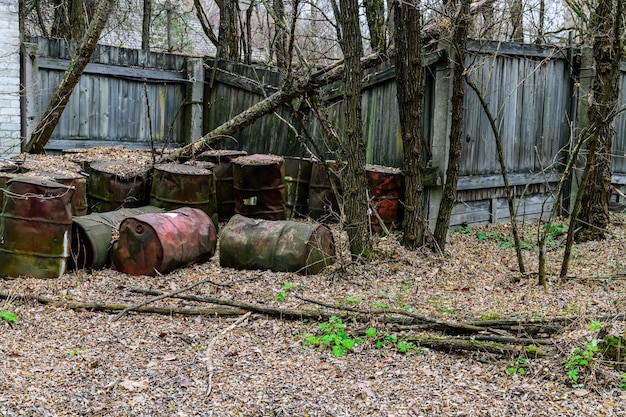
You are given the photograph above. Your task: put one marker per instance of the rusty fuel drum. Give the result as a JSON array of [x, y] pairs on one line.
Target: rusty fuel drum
[[178, 185], [385, 186], [278, 245], [92, 236], [323, 205], [297, 180], [158, 243], [116, 184], [223, 170], [259, 182], [73, 179], [35, 227]]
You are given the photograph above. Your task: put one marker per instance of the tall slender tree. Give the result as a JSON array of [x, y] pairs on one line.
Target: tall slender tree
[[410, 96]]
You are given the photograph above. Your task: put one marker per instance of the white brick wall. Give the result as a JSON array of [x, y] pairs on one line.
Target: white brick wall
[[9, 79]]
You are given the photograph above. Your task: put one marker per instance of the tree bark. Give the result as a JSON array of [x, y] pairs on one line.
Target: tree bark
[[459, 41], [50, 119], [352, 148], [146, 24], [375, 15], [606, 24], [410, 97]]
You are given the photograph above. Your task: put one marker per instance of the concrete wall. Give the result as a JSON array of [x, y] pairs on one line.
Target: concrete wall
[[9, 78]]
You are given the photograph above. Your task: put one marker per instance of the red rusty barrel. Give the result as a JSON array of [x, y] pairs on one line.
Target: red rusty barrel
[[179, 185], [8, 170], [74, 179], [385, 186], [115, 184], [35, 227], [93, 235], [158, 243], [297, 180], [323, 205], [279, 245], [223, 170], [259, 182]]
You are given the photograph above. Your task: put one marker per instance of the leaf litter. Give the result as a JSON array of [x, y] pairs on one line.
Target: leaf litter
[[76, 362]]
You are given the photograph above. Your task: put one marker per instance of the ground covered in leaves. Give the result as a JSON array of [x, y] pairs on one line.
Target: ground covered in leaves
[[68, 360]]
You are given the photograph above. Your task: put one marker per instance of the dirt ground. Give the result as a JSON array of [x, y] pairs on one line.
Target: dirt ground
[[62, 361]]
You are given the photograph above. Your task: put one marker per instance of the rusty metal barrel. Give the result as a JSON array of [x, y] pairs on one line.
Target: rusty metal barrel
[[116, 184], [385, 187], [158, 243], [74, 179], [178, 185], [223, 170], [278, 245], [35, 227], [8, 170], [93, 235], [323, 205], [297, 180], [259, 183]]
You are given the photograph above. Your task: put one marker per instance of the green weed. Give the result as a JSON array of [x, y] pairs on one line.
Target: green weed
[[580, 361], [518, 366], [8, 316], [333, 335], [281, 296]]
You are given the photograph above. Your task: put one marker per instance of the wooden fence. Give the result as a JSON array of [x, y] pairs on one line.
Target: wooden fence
[[533, 92]]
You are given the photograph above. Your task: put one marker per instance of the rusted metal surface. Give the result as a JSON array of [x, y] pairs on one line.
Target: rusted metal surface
[[259, 182], [385, 187], [223, 170], [297, 180], [35, 227], [92, 236], [323, 204], [282, 245], [158, 243], [178, 185], [7, 171], [76, 180], [116, 184]]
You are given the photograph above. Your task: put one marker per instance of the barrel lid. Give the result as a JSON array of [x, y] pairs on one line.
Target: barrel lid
[[41, 182], [382, 169], [259, 159], [119, 168], [174, 168], [232, 153]]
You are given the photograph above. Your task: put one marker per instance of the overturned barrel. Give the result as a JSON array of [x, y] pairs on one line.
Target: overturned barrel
[[281, 245], [297, 179], [158, 243], [35, 227], [384, 185], [323, 205], [116, 184], [178, 185], [259, 183], [93, 235], [223, 170]]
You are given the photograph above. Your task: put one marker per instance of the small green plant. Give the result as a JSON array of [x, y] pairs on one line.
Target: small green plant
[[333, 335], [8, 316], [463, 229], [353, 300], [380, 305], [622, 381], [518, 366], [75, 352], [490, 315], [580, 361], [447, 310], [595, 325], [282, 295]]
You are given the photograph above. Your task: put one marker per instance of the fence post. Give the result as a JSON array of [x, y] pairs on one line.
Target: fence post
[[193, 124], [440, 145], [30, 81]]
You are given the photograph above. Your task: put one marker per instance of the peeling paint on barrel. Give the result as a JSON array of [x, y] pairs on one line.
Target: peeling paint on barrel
[[92, 236], [385, 186], [158, 243], [223, 170], [259, 182], [115, 184], [178, 185], [35, 227], [278, 245]]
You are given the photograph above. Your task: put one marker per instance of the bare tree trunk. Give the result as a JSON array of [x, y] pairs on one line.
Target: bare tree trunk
[[352, 148], [517, 21], [205, 23], [459, 42], [606, 24], [410, 96], [375, 15], [146, 24], [50, 119], [280, 38]]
